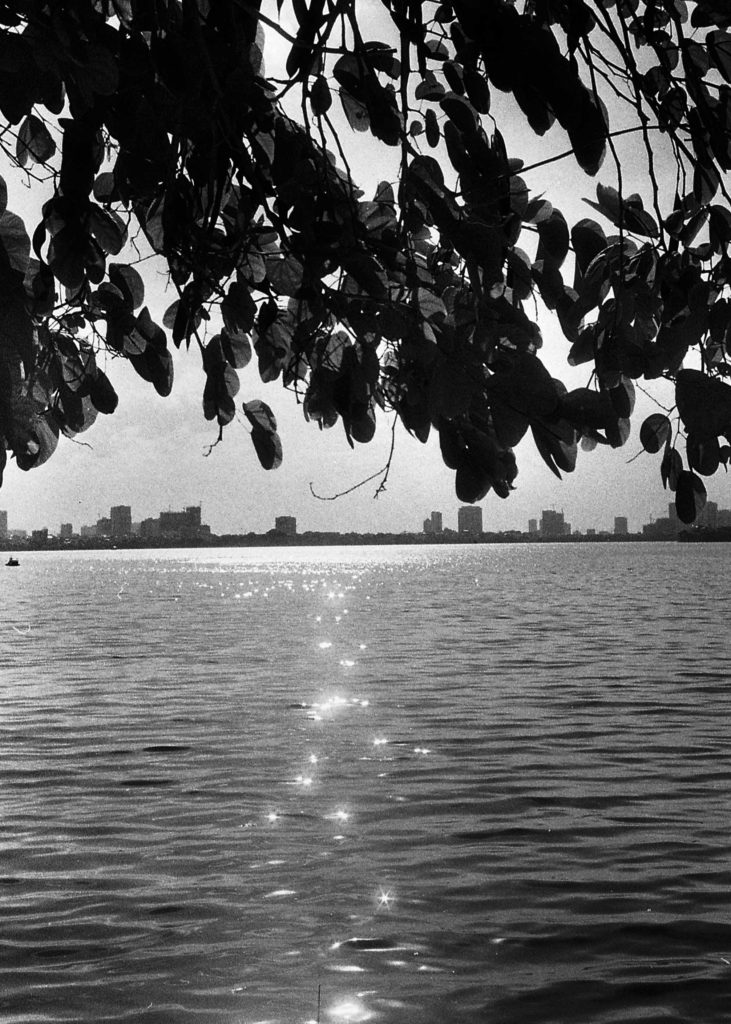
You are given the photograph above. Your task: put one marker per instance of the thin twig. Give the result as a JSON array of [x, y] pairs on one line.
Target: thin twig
[[384, 471]]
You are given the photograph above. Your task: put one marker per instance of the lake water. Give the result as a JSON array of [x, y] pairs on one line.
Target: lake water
[[433, 784]]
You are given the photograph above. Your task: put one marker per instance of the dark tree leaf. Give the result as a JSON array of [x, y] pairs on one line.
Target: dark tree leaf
[[711, 12], [586, 124], [673, 106], [361, 427], [624, 212], [356, 112], [155, 366], [284, 274], [537, 211], [430, 88], [236, 348], [320, 96], [704, 454], [238, 308], [129, 283], [453, 73], [34, 142], [15, 241], [703, 402], [719, 48], [557, 445], [670, 468], [478, 91], [690, 496], [553, 234], [655, 432], [260, 415], [621, 393], [39, 444], [105, 190], [519, 273], [473, 480], [268, 447], [618, 431], [102, 394], [586, 408], [588, 240], [108, 229], [433, 134], [459, 111]]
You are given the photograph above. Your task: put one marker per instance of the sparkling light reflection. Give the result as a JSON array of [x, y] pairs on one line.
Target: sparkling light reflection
[[385, 898], [350, 1011]]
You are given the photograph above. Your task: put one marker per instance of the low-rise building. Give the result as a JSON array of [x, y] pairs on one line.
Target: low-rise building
[[286, 525]]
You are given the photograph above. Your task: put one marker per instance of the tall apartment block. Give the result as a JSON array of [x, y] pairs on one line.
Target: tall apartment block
[[469, 519]]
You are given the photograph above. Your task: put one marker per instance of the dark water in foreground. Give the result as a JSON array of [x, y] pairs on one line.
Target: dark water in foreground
[[455, 784]]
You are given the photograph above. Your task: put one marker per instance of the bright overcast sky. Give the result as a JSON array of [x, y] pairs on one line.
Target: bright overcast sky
[[151, 453]]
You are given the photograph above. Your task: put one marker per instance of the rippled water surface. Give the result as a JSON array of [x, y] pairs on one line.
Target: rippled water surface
[[432, 784]]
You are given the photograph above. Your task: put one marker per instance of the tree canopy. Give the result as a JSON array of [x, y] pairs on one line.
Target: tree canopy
[[163, 129]]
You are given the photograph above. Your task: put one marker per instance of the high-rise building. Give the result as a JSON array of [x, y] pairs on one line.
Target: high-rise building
[[469, 519], [553, 524], [3, 524], [66, 531], [286, 525], [532, 526], [621, 526], [436, 522], [121, 520]]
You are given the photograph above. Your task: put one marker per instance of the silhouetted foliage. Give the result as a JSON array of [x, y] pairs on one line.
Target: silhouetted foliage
[[158, 120]]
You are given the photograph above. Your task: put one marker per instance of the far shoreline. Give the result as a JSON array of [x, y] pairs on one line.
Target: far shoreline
[[316, 539]]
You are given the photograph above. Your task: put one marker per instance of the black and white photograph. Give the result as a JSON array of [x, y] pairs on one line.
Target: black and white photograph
[[365, 512]]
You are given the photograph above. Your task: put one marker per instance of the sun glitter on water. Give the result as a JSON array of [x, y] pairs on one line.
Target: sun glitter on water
[[385, 899], [349, 1011]]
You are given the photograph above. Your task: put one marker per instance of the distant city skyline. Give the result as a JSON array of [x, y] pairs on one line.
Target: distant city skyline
[[468, 519]]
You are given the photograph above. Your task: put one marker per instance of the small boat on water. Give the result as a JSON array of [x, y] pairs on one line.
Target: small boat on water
[[12, 561]]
